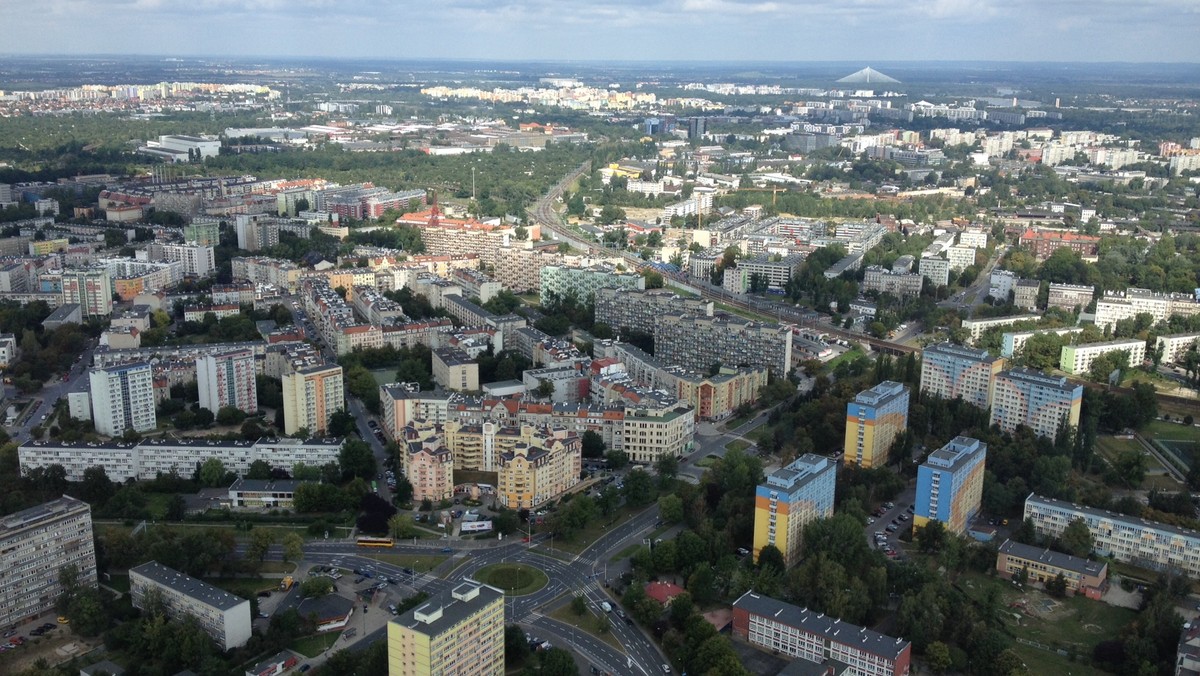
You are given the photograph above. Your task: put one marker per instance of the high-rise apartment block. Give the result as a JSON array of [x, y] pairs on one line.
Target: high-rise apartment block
[[227, 379], [950, 485], [640, 309], [35, 544], [951, 371], [198, 260], [790, 498], [123, 399], [256, 232], [699, 342], [873, 421], [90, 288], [311, 396], [581, 283], [1040, 402], [462, 634], [223, 616]]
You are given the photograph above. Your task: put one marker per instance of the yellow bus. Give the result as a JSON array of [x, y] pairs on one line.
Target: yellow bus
[[375, 542]]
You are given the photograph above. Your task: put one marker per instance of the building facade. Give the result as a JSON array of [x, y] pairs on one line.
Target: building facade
[[640, 309], [1070, 296], [123, 399], [461, 634], [1043, 565], [558, 281], [223, 616], [1076, 359], [1040, 402], [951, 371], [873, 421], [311, 396], [789, 499], [699, 342], [950, 485], [91, 289], [227, 379], [35, 544]]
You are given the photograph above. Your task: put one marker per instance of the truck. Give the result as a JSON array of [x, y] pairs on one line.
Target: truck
[[286, 583]]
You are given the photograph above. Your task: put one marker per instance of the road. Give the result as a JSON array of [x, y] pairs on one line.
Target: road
[[56, 389]]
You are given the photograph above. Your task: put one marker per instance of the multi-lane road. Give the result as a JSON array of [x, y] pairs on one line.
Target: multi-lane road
[[57, 388]]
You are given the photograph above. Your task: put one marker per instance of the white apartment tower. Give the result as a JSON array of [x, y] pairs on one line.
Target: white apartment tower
[[122, 399], [227, 379]]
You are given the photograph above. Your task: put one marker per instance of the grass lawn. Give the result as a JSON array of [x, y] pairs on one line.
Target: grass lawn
[[624, 553], [594, 530], [707, 461], [590, 623], [418, 562], [1161, 429], [384, 376], [1156, 476], [516, 579], [118, 582], [1045, 662], [311, 646], [734, 423], [848, 355], [737, 445], [277, 567]]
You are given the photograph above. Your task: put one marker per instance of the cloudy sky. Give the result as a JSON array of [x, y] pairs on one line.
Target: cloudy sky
[[754, 30]]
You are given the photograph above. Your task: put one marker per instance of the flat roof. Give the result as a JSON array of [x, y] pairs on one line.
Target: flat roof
[[189, 586], [1111, 516], [453, 610], [1052, 558], [818, 623], [955, 453], [42, 512], [1029, 375]]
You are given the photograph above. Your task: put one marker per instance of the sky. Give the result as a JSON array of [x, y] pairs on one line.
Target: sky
[[624, 30]]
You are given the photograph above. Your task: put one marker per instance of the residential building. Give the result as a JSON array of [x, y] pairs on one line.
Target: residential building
[[935, 269], [639, 310], [1143, 543], [259, 270], [1115, 306], [533, 473], [227, 379], [873, 421], [774, 271], [1002, 283], [1038, 401], [35, 544], [148, 458], [1042, 243], [1025, 294], [123, 399], [559, 281], [851, 262], [699, 342], [203, 232], [1012, 343], [311, 395], [1176, 346], [1187, 654], [256, 232], [1042, 565], [975, 328], [879, 278], [225, 617], [198, 260], [951, 371], [960, 257], [789, 499], [950, 485], [204, 147], [89, 288], [427, 463], [1070, 297], [802, 633], [461, 634], [8, 349], [1078, 358], [454, 370]]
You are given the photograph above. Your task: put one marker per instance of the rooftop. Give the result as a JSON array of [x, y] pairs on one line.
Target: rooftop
[[42, 512], [1052, 558], [444, 611], [955, 453], [1103, 515], [822, 625], [188, 586]]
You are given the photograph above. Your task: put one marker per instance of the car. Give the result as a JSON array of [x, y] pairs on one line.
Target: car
[[446, 550], [37, 632], [742, 551], [620, 613], [870, 520], [889, 505], [666, 668], [305, 668], [263, 615], [629, 621], [10, 632], [263, 594], [63, 620], [407, 571], [372, 423], [892, 528], [878, 534], [49, 627]]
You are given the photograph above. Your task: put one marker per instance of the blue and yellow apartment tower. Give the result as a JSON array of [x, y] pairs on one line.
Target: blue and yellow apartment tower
[[789, 499], [950, 485], [873, 421]]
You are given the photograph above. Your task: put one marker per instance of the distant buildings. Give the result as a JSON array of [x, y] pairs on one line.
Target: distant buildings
[[790, 498], [1176, 346], [640, 309], [454, 370], [89, 288], [35, 544], [873, 421], [951, 371], [459, 634], [227, 379], [223, 616], [1040, 402], [1148, 544], [882, 280], [581, 283], [950, 485], [1043, 243], [699, 342], [1115, 306], [802, 633], [123, 399], [311, 395]]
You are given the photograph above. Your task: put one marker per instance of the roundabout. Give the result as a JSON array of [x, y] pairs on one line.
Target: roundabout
[[515, 579]]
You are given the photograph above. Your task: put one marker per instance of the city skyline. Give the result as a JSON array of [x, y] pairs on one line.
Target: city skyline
[[673, 30]]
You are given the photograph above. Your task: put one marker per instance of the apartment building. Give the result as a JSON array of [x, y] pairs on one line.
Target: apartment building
[[259, 270], [1043, 565], [35, 544], [935, 269], [1147, 544], [404, 403], [960, 257], [1013, 342], [1042, 243], [227, 379], [256, 232], [454, 370], [1115, 306], [311, 396], [428, 464], [1176, 346], [699, 342], [651, 431], [802, 633], [149, 457], [1025, 294], [462, 634], [790, 498], [203, 233], [977, 327], [903, 284], [198, 260], [8, 349], [1038, 401], [581, 283], [776, 271], [89, 288], [952, 371], [223, 616], [1070, 297], [532, 474], [476, 284], [640, 309], [123, 399], [1078, 358], [873, 421], [950, 485]]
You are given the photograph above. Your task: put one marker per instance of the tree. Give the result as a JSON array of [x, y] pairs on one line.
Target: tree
[[938, 657], [356, 459], [293, 547], [616, 459], [557, 662], [516, 645], [96, 488], [770, 557], [579, 605], [230, 416], [401, 526], [593, 444], [316, 587], [667, 466], [639, 488], [261, 540], [670, 509], [1076, 539], [212, 473], [259, 470], [545, 389], [931, 536], [176, 508], [1057, 587]]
